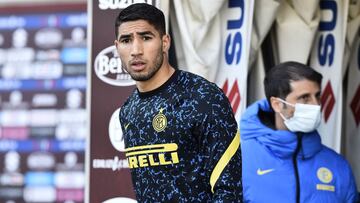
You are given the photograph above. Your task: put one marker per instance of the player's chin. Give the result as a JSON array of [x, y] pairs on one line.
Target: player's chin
[[140, 76]]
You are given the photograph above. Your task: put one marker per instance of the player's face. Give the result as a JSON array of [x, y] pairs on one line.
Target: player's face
[[141, 49]]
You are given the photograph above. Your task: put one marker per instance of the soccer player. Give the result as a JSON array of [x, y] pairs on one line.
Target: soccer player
[[180, 133]]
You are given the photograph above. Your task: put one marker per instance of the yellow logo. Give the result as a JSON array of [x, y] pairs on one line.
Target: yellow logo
[[152, 155], [159, 121], [263, 172], [324, 175], [126, 126]]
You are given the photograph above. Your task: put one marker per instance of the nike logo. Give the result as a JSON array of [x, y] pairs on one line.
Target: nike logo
[[126, 126], [263, 172]]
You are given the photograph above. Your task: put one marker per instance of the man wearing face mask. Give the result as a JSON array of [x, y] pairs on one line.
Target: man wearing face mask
[[283, 158]]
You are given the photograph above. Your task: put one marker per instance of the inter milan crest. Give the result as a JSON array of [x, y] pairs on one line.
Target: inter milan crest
[[159, 121], [324, 175]]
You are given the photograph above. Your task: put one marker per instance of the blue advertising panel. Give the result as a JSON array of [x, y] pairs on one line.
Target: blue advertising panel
[[43, 122]]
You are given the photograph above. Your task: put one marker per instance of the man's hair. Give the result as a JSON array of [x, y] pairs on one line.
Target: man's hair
[[142, 11], [277, 80]]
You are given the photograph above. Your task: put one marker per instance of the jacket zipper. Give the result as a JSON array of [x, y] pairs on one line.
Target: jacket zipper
[[294, 158]]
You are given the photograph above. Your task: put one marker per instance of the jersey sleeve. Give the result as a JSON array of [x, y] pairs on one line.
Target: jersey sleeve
[[221, 146]]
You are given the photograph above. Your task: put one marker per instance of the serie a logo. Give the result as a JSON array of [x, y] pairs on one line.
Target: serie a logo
[[159, 121]]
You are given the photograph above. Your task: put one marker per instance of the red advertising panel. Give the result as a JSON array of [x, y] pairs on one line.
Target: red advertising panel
[[43, 123], [109, 175]]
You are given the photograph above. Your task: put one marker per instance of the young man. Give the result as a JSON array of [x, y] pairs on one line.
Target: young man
[[180, 134], [283, 158]]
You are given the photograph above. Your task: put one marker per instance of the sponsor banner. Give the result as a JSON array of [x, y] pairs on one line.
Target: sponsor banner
[[48, 55], [64, 101], [236, 31], [11, 55], [353, 112], [42, 132], [62, 195], [43, 117], [71, 131], [70, 179], [40, 85], [71, 70], [108, 68], [14, 118], [62, 20], [38, 45], [40, 161], [119, 5], [69, 145], [112, 163], [73, 55], [72, 116], [36, 70], [109, 86], [12, 179], [39, 178], [11, 193], [44, 100], [39, 194], [120, 199], [42, 145], [14, 133], [42, 37], [72, 161], [327, 58]]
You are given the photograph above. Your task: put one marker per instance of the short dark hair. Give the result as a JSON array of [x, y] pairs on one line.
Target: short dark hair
[[277, 80], [142, 11]]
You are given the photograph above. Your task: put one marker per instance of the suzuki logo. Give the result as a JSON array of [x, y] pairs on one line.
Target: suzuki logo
[[355, 106], [327, 101], [233, 95], [119, 4]]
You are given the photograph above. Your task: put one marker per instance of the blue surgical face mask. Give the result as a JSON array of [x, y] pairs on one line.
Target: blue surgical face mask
[[306, 118]]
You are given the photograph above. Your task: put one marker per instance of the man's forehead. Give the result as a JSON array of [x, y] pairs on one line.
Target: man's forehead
[[131, 27], [304, 87]]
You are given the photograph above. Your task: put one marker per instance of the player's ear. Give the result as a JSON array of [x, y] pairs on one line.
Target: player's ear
[[166, 40], [276, 104], [116, 43]]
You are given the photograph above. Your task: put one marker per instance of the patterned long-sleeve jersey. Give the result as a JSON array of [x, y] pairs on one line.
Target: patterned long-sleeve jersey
[[182, 142]]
